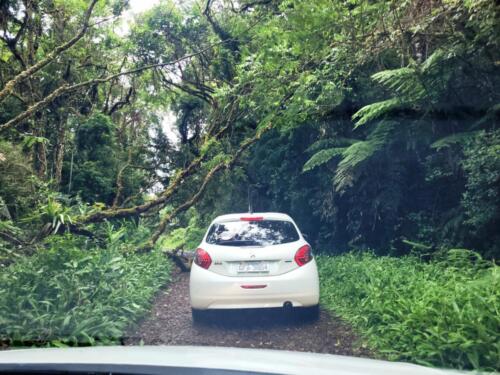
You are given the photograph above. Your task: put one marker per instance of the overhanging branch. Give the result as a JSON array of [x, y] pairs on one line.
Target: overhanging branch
[[9, 86], [197, 196], [161, 200], [66, 88]]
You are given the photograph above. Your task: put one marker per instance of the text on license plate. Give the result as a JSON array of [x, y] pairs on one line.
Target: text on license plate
[[253, 267]]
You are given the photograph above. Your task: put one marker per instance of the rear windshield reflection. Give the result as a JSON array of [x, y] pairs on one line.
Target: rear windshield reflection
[[252, 233]]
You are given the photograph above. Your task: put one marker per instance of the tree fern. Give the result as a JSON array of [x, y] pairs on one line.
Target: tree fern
[[375, 110], [410, 85], [457, 138], [321, 157], [353, 156], [321, 144], [435, 60], [330, 142], [403, 81]]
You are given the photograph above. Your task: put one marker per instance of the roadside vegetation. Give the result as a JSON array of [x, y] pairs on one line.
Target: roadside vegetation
[[76, 293], [445, 312]]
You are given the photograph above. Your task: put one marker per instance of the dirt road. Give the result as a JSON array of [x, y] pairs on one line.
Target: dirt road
[[170, 323]]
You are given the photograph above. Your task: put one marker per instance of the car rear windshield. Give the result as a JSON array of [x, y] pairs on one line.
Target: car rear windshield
[[252, 233]]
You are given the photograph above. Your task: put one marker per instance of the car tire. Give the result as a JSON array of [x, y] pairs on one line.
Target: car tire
[[199, 316]]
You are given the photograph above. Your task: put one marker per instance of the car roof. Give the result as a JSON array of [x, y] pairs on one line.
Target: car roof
[[264, 215]]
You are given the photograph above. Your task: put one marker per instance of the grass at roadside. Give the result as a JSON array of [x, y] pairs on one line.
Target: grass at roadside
[[443, 313], [67, 295]]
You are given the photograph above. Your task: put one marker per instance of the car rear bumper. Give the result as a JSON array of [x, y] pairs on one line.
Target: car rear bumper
[[209, 290]]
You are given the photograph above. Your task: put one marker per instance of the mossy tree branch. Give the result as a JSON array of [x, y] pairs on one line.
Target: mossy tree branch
[[10, 85], [223, 165]]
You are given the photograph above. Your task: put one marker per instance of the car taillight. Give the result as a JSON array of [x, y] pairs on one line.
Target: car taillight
[[303, 255], [252, 218], [202, 258]]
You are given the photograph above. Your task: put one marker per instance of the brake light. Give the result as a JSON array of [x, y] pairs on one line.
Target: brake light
[[202, 258], [303, 255], [252, 218]]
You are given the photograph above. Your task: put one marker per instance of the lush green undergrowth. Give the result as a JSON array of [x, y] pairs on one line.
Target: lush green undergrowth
[[443, 313], [69, 295]]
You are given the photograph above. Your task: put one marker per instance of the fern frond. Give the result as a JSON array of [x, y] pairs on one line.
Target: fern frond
[[330, 142], [403, 81], [345, 174], [381, 132], [433, 61], [440, 58], [321, 157], [408, 84], [349, 167], [376, 110], [453, 139], [320, 145], [344, 141], [393, 76]]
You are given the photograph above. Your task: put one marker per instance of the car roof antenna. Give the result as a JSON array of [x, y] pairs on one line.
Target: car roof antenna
[[250, 208]]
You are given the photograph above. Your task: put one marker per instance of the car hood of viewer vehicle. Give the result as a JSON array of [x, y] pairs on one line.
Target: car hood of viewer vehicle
[[190, 359]]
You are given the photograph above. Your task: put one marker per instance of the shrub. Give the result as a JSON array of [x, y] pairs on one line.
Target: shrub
[[66, 295], [443, 313], [481, 199]]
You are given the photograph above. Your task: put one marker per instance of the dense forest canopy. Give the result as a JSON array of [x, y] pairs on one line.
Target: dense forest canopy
[[373, 123]]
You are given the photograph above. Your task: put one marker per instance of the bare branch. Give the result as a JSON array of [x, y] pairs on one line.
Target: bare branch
[[121, 103]]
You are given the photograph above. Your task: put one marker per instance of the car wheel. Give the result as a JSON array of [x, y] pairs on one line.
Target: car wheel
[[199, 316]]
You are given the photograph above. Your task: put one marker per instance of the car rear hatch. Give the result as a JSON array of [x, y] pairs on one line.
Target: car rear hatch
[[253, 246], [253, 260]]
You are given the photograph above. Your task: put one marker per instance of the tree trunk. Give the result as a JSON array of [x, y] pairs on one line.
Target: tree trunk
[[59, 152], [40, 152]]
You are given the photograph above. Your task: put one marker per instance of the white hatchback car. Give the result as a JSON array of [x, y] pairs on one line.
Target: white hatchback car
[[258, 260]]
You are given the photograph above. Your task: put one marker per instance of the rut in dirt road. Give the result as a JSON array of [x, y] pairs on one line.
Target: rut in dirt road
[[170, 323]]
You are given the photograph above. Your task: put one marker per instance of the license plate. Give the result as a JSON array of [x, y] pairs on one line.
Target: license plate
[[253, 267]]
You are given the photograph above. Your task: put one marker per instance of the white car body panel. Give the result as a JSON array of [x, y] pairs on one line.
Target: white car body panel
[[209, 290], [223, 286], [225, 259], [218, 358]]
